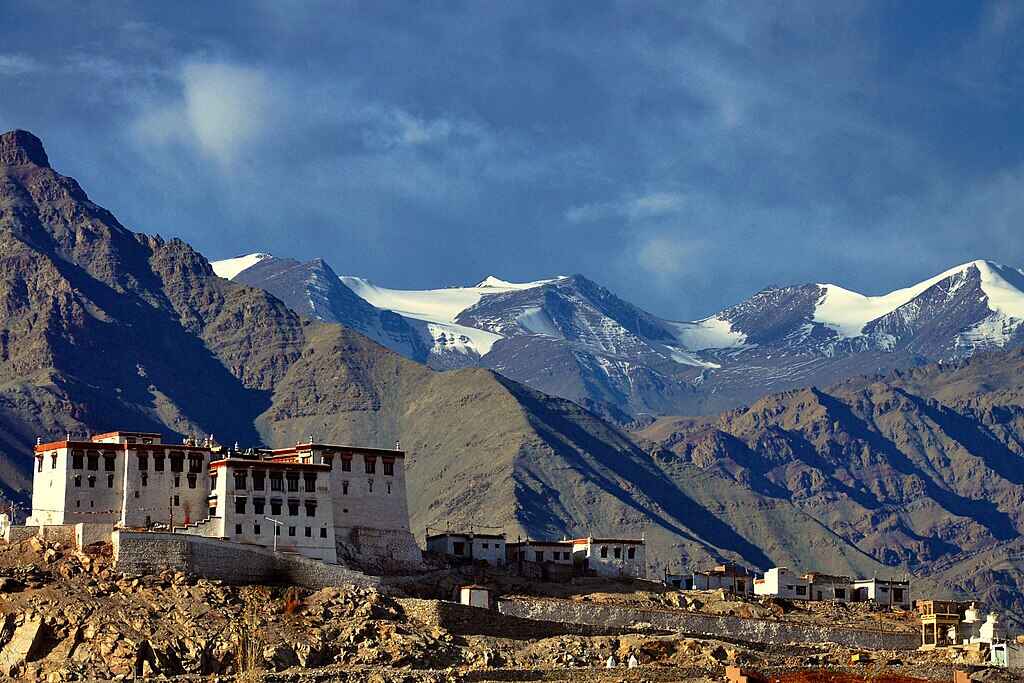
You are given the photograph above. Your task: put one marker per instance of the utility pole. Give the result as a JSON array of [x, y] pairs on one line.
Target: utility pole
[[277, 527]]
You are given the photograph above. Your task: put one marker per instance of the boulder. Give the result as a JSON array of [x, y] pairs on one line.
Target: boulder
[[22, 646]]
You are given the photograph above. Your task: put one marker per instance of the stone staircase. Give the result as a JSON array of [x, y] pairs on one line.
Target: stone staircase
[[204, 527]]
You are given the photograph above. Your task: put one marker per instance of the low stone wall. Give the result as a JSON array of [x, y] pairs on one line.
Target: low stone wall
[[13, 534], [88, 533], [58, 533], [751, 630], [464, 620], [139, 552]]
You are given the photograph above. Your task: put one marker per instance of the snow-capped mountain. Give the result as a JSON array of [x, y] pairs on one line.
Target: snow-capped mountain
[[571, 337]]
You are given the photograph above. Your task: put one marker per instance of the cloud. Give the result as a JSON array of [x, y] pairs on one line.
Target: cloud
[[17, 65], [634, 208], [222, 111], [667, 256]]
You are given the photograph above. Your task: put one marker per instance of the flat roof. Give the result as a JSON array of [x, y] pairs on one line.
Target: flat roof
[[465, 535], [114, 447], [530, 541], [250, 463], [625, 541], [337, 447]]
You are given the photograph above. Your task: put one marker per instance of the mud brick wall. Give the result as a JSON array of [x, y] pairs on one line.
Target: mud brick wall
[[752, 630], [146, 553]]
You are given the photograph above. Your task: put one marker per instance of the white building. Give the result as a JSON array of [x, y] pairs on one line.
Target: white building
[[829, 587], [781, 582], [489, 548], [889, 592], [611, 556], [326, 501], [131, 479], [556, 552]]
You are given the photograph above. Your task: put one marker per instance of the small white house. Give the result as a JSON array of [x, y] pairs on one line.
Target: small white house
[[781, 582], [489, 548], [891, 592], [475, 596], [611, 556]]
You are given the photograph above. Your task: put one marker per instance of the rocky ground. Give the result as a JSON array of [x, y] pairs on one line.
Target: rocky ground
[[67, 615]]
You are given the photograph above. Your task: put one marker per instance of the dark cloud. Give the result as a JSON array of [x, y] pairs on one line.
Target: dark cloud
[[683, 154]]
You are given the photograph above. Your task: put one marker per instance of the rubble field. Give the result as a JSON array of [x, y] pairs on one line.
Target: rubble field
[[68, 616]]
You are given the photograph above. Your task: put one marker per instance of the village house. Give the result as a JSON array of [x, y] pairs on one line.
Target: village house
[[781, 582], [321, 501], [729, 577], [888, 592], [823, 586], [611, 556], [485, 547], [557, 552]]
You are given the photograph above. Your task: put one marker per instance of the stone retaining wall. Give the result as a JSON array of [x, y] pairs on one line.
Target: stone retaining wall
[[464, 620], [751, 630], [137, 552]]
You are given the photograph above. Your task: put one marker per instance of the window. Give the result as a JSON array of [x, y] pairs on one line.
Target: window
[[78, 503], [177, 481], [309, 532], [240, 481], [371, 465], [539, 555], [158, 462], [143, 461], [147, 441], [76, 459], [801, 590], [238, 530], [293, 481], [258, 505], [311, 508], [110, 481], [192, 481], [92, 481], [840, 593], [177, 461], [39, 463], [92, 460], [346, 464], [486, 545], [604, 551], [195, 463], [276, 483], [291, 531], [329, 460], [145, 478], [53, 461], [293, 508], [240, 505], [78, 481], [258, 479], [344, 487], [458, 548], [177, 500], [631, 553], [256, 529], [389, 488], [310, 481], [108, 462], [369, 484], [389, 468], [136, 494], [323, 532], [275, 507]]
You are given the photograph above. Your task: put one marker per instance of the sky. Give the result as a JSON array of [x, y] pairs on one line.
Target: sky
[[683, 154]]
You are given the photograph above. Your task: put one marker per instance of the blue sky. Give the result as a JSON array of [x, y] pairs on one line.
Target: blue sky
[[684, 154]]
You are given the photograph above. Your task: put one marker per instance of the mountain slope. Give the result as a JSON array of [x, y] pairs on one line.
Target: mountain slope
[[922, 469], [103, 328]]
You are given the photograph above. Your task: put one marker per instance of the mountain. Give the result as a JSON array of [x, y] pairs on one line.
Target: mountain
[[103, 328], [570, 337], [922, 469]]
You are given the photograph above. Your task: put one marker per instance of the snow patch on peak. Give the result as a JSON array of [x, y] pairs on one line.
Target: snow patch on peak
[[847, 312], [230, 268], [709, 333], [495, 283]]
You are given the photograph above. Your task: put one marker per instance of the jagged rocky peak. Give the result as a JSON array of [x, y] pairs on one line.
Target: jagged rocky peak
[[19, 147]]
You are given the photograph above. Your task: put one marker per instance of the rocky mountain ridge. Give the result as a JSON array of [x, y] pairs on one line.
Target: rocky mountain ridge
[[570, 337]]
